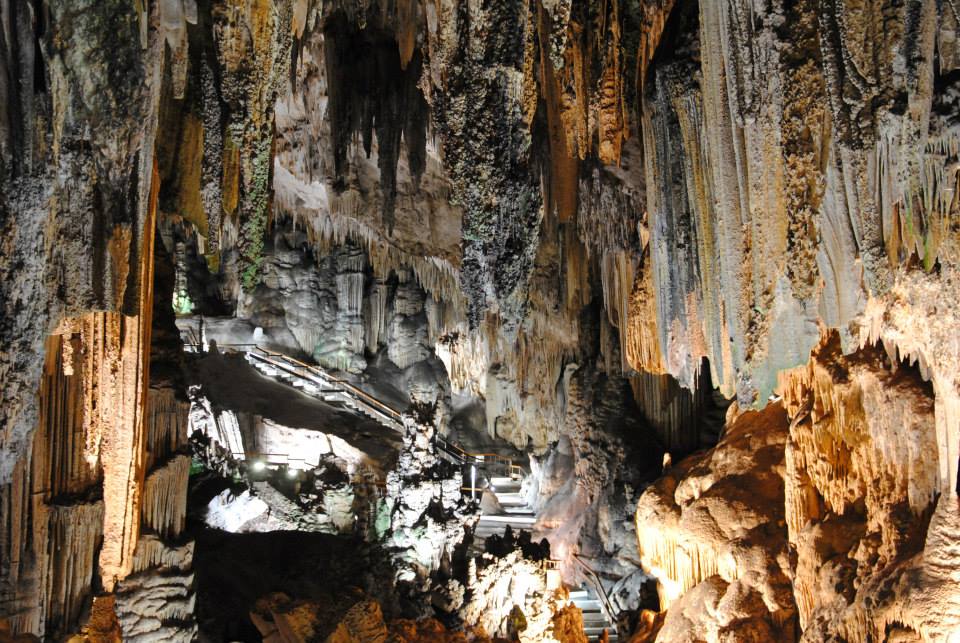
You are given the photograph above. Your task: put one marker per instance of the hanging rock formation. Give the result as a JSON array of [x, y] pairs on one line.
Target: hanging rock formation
[[559, 230]]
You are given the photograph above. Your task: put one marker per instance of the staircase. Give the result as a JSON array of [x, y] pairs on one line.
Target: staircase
[[595, 619], [516, 512], [317, 382], [519, 515]]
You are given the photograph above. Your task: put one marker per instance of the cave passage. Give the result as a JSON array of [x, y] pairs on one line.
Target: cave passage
[[438, 321]]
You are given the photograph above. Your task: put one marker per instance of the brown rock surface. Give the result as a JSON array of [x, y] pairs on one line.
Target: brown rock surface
[[712, 531]]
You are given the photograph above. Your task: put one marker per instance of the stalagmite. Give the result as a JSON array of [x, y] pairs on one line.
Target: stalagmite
[[711, 531]]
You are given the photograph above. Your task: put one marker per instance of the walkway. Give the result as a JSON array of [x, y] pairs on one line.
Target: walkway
[[315, 381], [514, 511], [518, 514]]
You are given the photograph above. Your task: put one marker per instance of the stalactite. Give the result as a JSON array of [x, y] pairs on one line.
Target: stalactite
[[653, 20], [152, 552], [164, 504], [481, 122], [167, 419], [75, 534], [916, 210], [221, 427], [560, 177], [23, 545], [66, 456], [328, 230], [252, 43], [616, 279], [362, 64], [641, 343], [375, 316], [610, 213], [673, 412]]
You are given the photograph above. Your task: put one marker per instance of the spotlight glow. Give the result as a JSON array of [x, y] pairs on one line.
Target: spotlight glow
[[258, 465]]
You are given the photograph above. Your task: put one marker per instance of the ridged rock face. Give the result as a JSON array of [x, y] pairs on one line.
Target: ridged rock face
[[861, 488], [76, 152], [712, 532], [566, 204], [785, 187]]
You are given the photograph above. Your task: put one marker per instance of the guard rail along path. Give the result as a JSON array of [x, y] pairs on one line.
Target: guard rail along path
[[317, 382]]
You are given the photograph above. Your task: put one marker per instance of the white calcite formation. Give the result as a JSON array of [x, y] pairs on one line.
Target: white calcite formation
[[424, 516], [496, 587], [328, 509], [231, 511]]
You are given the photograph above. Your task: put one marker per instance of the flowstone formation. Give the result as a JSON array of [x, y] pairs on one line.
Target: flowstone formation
[[364, 247], [859, 504], [712, 532]]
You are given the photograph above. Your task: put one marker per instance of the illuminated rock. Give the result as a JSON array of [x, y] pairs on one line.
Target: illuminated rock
[[425, 514], [712, 532]]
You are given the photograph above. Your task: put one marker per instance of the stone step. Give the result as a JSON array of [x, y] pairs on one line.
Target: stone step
[[595, 618], [512, 498], [588, 605], [509, 520], [517, 510]]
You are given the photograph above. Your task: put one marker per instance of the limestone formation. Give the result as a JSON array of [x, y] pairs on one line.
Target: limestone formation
[[684, 273], [712, 532], [425, 517]]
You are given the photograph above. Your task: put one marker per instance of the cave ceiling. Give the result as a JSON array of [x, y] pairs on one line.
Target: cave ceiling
[[461, 320]]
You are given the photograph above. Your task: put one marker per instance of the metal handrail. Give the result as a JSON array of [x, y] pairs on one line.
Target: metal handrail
[[393, 414], [327, 376], [601, 592], [294, 366]]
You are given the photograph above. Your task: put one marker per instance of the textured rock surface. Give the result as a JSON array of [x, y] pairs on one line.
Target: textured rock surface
[[861, 490], [424, 514], [712, 531], [566, 204]]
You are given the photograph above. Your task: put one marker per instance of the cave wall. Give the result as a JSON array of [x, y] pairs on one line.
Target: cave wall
[[780, 142], [584, 195]]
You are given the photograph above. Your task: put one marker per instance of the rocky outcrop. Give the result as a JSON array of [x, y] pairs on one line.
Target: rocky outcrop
[[157, 602], [861, 489], [278, 618], [502, 592], [424, 517], [839, 475], [76, 158], [712, 532]]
